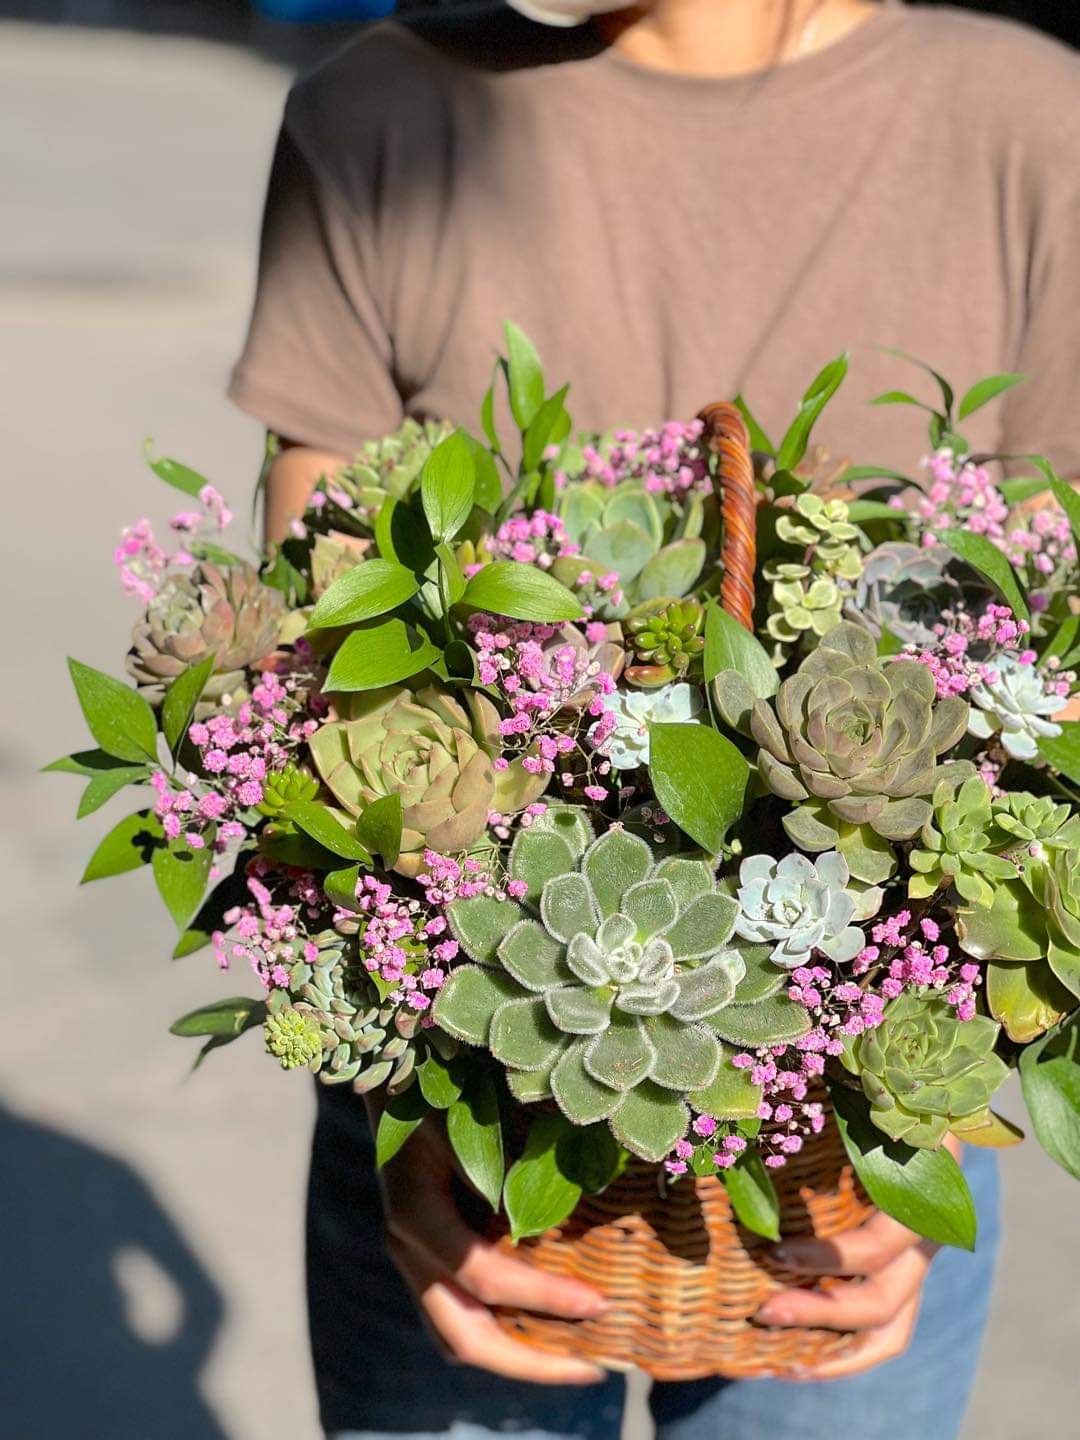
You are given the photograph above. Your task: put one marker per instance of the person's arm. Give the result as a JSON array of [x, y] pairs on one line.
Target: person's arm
[[294, 472]]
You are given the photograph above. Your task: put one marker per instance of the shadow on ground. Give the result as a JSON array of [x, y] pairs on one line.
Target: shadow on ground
[[108, 1317]]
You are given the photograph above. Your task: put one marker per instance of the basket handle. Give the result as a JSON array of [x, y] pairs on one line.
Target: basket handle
[[727, 437]]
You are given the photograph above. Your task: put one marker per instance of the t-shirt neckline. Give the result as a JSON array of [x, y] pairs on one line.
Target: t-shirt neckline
[[771, 84]]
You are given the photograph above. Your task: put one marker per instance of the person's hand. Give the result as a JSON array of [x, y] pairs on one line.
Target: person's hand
[[456, 1275], [888, 1265]]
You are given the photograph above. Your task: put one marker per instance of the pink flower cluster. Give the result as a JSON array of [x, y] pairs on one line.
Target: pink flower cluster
[[667, 461], [950, 660], [919, 959], [537, 539], [237, 752], [542, 672], [961, 495], [1043, 550], [142, 562], [272, 932]]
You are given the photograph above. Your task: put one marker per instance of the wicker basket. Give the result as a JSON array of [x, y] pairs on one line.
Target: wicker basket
[[682, 1276]]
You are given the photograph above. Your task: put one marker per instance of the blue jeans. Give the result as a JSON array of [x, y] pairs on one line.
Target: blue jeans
[[379, 1374]]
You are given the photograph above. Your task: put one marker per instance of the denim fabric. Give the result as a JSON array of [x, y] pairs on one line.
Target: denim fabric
[[379, 1374]]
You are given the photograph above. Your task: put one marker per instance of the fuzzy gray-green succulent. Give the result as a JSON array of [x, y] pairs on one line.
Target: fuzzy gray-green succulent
[[612, 985]]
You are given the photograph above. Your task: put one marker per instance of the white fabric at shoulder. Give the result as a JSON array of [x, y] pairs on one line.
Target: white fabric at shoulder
[[565, 12]]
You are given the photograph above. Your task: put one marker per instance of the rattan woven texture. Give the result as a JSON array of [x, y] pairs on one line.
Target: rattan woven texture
[[682, 1277]]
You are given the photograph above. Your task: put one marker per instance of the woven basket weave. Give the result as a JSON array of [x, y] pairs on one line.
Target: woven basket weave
[[682, 1277]]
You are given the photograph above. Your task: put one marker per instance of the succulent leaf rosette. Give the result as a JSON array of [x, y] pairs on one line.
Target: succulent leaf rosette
[[854, 741], [610, 986], [1011, 704], [434, 752], [798, 906], [923, 1069]]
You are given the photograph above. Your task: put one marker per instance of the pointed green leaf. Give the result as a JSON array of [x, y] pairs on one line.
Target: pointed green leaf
[[180, 477], [822, 388], [447, 486], [699, 778], [923, 1189], [107, 783], [537, 1195], [729, 646], [230, 1017], [385, 654], [318, 822], [180, 874], [475, 1134], [1050, 1077], [128, 845], [440, 1081], [379, 828], [402, 1115], [1062, 752], [983, 391], [982, 555], [120, 720], [753, 1195], [365, 591], [759, 441], [229, 892], [542, 429], [526, 377], [180, 700], [524, 592]]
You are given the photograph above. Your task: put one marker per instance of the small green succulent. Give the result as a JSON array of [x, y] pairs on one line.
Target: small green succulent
[[806, 597], [294, 1037], [611, 986], [654, 546], [1037, 820], [668, 640], [823, 526], [923, 1068], [282, 787], [959, 844], [800, 604]]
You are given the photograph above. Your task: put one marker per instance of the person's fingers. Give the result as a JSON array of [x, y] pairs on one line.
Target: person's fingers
[[469, 1334], [863, 1251], [855, 1305], [872, 1348]]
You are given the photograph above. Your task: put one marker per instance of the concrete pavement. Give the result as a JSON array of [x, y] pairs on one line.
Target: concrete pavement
[[152, 1253]]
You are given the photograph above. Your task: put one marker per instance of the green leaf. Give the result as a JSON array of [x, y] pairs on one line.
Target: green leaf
[[447, 486], [380, 655], [729, 646], [475, 1134], [900, 397], [822, 388], [120, 720], [590, 1156], [1022, 487], [542, 428], [401, 1115], [1063, 639], [537, 1194], [487, 415], [860, 511], [317, 821], [753, 1195], [758, 439], [439, 1080], [85, 762], [180, 874], [700, 780], [451, 580], [229, 892], [229, 1017], [402, 535], [983, 391], [179, 476], [339, 886], [872, 472], [523, 592], [526, 378], [1062, 752], [1069, 501], [108, 783], [488, 491], [126, 847], [1050, 1078], [369, 589], [982, 555], [180, 700], [379, 828], [923, 1189], [942, 384]]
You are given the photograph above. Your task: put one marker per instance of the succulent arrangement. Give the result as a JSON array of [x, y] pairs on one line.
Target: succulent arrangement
[[507, 818]]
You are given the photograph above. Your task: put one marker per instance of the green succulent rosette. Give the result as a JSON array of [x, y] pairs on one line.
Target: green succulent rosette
[[853, 741], [1030, 934], [923, 1069], [611, 986], [667, 639], [433, 751], [960, 845]]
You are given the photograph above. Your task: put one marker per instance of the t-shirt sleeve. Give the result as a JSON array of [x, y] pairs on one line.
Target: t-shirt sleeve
[[317, 365]]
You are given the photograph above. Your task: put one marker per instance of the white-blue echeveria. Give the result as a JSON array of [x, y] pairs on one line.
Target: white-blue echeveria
[[1015, 706], [627, 747], [798, 906]]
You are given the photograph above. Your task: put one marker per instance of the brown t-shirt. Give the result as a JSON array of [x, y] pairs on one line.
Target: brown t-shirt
[[670, 240]]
